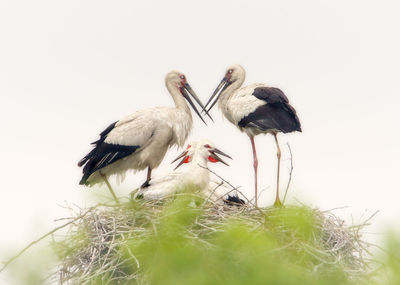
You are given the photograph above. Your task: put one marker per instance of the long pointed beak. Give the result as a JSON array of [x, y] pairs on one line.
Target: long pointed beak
[[216, 150], [191, 92], [221, 87], [184, 155], [181, 162], [180, 156], [214, 155], [187, 97], [186, 90]]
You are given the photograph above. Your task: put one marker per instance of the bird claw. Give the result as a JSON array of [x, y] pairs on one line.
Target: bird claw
[[139, 196], [278, 203], [145, 184]]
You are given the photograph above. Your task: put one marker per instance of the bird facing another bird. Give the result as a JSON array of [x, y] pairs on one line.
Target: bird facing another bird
[[255, 109], [141, 140]]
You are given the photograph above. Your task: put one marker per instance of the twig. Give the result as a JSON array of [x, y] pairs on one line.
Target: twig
[[262, 191], [334, 209], [290, 173], [230, 191], [371, 217], [224, 180], [212, 192], [43, 237], [233, 187]]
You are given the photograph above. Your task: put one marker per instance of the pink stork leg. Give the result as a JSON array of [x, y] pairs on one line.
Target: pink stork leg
[[255, 169], [278, 154]]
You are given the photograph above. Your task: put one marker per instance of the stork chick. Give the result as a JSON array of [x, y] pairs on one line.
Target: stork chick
[[255, 109], [196, 175], [141, 140]]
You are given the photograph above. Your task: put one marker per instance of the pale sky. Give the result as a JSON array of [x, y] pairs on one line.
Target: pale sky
[[70, 68]]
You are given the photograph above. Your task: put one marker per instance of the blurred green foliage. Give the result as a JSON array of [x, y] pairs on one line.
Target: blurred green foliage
[[32, 268], [174, 248], [237, 253], [389, 271], [181, 242]]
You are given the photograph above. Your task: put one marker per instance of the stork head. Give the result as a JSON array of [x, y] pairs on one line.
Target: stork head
[[178, 80], [234, 74], [203, 149]]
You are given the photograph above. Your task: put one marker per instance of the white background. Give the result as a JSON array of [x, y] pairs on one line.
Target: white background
[[70, 68]]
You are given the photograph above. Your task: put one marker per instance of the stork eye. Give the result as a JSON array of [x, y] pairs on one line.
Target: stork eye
[[207, 146], [182, 76], [230, 71], [189, 146]]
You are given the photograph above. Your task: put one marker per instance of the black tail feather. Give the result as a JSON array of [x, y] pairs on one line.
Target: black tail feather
[[103, 154]]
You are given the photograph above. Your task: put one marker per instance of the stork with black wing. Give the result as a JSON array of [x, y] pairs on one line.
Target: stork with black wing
[[255, 109]]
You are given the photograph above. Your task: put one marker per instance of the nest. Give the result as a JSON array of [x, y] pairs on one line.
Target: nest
[[91, 250]]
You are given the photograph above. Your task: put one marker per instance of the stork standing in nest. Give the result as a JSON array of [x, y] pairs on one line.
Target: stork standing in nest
[[140, 140], [255, 109]]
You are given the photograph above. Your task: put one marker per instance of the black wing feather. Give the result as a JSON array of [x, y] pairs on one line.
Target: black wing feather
[[277, 114], [103, 154], [271, 95], [103, 136], [104, 133]]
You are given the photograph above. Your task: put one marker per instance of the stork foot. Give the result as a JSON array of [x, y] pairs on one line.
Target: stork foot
[[145, 184], [278, 203]]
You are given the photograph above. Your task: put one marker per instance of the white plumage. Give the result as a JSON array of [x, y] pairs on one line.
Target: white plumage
[[255, 109], [240, 104], [195, 177], [141, 140], [152, 130]]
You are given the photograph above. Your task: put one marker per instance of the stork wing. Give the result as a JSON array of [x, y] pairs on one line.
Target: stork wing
[[97, 143], [277, 114], [271, 95], [120, 140]]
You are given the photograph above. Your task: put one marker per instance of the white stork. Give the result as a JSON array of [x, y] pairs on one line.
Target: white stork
[[196, 176], [141, 139], [255, 109]]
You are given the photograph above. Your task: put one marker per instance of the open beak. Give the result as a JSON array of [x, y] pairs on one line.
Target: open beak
[[186, 90], [220, 88], [215, 151], [184, 155]]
